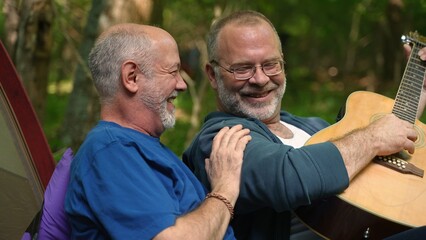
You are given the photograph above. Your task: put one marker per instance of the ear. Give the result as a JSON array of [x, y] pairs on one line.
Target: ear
[[211, 75], [129, 76]]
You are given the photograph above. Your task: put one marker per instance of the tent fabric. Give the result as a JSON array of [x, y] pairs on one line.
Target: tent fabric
[[18, 114], [26, 162]]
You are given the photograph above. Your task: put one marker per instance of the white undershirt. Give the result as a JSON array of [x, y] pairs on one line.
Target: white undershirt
[[298, 231], [299, 136]]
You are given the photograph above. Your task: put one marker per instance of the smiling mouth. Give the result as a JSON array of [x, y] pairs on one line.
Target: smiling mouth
[[171, 99], [257, 95]]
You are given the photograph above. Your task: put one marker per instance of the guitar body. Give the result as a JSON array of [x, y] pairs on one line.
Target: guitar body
[[379, 201]]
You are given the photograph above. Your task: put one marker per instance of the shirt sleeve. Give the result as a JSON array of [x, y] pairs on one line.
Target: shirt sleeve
[[276, 175], [283, 178]]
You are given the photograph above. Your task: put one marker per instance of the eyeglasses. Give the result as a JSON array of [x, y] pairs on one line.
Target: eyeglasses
[[244, 72]]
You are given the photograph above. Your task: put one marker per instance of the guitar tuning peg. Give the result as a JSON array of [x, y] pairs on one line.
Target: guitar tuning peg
[[405, 39]]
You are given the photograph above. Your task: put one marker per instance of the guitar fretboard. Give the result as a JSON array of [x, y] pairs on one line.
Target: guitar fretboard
[[408, 96]]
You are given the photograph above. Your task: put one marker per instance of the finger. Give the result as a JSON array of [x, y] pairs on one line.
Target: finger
[[207, 164], [218, 138], [410, 147], [235, 138], [229, 134], [407, 49], [242, 143], [422, 54], [412, 135]]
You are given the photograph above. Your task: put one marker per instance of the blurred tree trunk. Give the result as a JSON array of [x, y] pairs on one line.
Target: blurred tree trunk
[[197, 92], [10, 9], [157, 13], [78, 117], [122, 11], [33, 48], [360, 10], [391, 56]]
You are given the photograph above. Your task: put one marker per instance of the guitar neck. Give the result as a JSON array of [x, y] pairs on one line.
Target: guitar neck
[[410, 89]]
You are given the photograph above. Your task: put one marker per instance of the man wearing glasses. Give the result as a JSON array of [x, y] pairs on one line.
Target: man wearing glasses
[[246, 69]]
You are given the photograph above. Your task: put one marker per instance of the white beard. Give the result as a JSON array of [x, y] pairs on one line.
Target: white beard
[[234, 104], [167, 118]]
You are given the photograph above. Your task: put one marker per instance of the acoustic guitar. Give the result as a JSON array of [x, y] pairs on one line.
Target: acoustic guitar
[[389, 195]]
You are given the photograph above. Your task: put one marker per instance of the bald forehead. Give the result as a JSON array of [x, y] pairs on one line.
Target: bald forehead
[[243, 32], [132, 28], [247, 21]]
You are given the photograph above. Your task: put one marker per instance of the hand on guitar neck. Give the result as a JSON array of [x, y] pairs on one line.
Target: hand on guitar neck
[[422, 55]]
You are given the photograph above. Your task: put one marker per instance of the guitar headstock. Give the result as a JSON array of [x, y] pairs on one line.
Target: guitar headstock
[[414, 37]]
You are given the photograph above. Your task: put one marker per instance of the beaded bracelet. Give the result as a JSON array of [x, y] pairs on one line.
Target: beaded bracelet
[[224, 200]]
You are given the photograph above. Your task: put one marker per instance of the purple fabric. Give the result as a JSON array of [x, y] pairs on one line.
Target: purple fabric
[[54, 223], [26, 236]]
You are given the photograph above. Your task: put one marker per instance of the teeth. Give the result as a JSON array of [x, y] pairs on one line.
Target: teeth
[[258, 95]]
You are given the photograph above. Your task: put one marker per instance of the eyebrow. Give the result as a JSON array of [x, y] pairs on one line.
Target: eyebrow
[[173, 67], [251, 64]]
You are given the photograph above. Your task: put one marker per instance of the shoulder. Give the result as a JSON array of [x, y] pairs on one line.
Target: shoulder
[[215, 121]]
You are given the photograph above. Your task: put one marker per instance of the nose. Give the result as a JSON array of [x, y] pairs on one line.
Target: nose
[[180, 83], [259, 77]]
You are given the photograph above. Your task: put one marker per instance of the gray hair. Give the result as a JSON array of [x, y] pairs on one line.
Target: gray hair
[[244, 17], [111, 51]]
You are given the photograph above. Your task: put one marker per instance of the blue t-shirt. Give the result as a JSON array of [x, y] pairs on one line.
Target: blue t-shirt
[[127, 185]]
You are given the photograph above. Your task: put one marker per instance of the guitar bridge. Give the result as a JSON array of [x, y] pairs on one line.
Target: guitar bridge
[[400, 165]]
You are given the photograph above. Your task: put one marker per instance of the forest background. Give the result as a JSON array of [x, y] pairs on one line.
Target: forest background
[[331, 48]]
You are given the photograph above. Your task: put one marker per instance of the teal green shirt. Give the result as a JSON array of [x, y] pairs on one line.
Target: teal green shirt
[[276, 178]]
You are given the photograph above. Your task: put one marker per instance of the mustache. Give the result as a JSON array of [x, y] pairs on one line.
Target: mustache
[[174, 94], [250, 89]]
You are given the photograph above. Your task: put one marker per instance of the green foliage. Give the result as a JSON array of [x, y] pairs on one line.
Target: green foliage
[[55, 108], [2, 19], [175, 138]]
